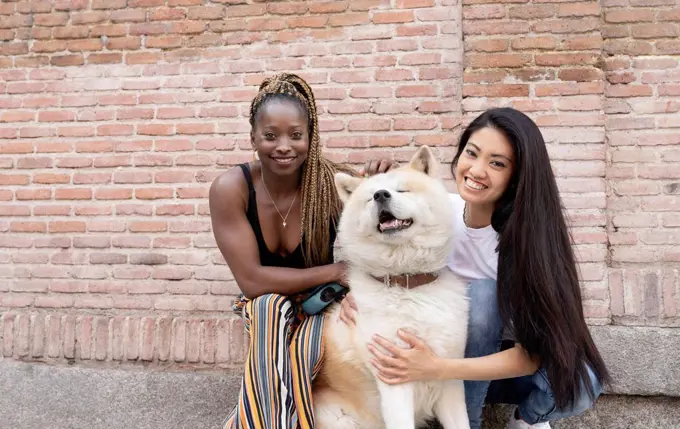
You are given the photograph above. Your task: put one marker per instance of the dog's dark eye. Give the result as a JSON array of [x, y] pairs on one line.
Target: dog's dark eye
[[401, 191]]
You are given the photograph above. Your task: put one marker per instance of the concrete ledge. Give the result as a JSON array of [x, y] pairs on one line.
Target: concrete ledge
[[642, 360], [37, 396], [610, 412], [146, 395]]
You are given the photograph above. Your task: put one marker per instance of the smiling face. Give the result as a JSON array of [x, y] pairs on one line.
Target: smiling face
[[281, 135], [485, 167]]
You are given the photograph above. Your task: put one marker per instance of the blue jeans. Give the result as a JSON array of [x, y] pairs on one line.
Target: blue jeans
[[532, 394]]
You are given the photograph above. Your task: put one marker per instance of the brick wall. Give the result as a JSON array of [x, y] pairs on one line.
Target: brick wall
[[642, 48], [116, 115]]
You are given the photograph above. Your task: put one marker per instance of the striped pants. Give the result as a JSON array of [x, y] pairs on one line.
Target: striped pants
[[284, 357]]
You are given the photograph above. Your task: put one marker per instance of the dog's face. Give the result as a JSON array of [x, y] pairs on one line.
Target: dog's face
[[400, 221]]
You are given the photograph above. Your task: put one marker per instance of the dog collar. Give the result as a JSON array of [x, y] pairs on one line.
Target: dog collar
[[408, 281]]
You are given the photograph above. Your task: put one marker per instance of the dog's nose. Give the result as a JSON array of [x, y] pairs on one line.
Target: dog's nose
[[382, 195]]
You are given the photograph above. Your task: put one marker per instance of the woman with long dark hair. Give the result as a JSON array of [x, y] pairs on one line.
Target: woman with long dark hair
[[526, 329]]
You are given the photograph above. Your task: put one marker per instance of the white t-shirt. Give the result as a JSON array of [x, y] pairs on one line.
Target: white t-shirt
[[474, 255]]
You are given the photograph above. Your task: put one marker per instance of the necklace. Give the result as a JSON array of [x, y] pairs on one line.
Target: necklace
[[272, 199]]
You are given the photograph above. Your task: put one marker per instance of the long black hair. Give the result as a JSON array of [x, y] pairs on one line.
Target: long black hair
[[539, 296]]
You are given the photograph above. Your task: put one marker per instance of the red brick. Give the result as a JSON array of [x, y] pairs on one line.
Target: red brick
[[143, 58], [71, 32], [668, 47], [656, 30], [669, 89], [415, 124], [33, 194], [50, 178], [28, 227], [412, 30], [565, 26], [628, 15], [115, 130], [498, 60], [153, 193], [67, 60], [580, 74], [494, 27], [288, 8], [531, 12], [371, 92], [416, 91], [189, 226], [565, 59], [109, 30], [66, 226], [487, 11], [76, 131], [669, 14], [578, 9], [56, 116], [25, 87], [85, 45], [488, 45], [327, 7], [629, 91], [420, 59], [52, 210], [124, 43], [14, 179], [33, 163], [393, 17], [369, 125], [500, 90], [529, 43], [16, 148], [113, 194], [348, 19]]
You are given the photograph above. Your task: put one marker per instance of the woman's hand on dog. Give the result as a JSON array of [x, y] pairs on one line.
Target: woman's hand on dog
[[372, 168], [341, 273], [348, 309], [400, 365]]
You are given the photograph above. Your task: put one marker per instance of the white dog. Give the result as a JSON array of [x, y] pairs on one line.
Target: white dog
[[395, 233]]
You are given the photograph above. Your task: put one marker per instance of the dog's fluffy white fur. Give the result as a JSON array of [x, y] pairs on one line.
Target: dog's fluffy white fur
[[346, 392]]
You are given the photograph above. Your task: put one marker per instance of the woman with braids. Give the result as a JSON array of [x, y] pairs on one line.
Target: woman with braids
[[274, 222], [513, 248]]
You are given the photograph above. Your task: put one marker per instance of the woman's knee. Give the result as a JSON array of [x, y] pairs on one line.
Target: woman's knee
[[269, 304], [588, 397], [544, 403]]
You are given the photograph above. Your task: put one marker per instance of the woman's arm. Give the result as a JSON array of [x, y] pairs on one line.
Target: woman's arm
[[237, 243], [510, 363], [399, 365]]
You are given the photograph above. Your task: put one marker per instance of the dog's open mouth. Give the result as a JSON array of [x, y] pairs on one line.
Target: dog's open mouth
[[388, 223]]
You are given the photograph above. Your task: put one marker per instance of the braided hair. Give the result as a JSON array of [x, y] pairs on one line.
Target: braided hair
[[320, 204]]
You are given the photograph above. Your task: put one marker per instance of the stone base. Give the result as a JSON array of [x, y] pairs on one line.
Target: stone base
[[38, 396], [610, 412]]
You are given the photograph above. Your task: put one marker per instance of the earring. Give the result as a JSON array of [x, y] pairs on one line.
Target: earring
[[255, 157]]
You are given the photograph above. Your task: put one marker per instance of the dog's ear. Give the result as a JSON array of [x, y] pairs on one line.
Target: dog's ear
[[346, 184], [424, 161]]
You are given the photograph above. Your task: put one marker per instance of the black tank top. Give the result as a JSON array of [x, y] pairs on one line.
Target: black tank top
[[268, 258]]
